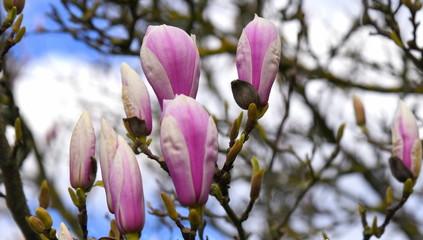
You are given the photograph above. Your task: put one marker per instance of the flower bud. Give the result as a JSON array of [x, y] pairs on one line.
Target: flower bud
[[108, 145], [189, 145], [170, 61], [405, 140], [82, 148], [126, 189], [64, 233], [360, 115], [136, 101], [244, 94], [257, 56], [9, 4]]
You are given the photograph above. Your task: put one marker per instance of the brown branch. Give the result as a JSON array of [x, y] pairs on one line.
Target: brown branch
[[15, 196]]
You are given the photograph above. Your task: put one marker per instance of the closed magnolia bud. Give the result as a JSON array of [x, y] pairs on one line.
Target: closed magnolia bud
[[360, 115], [406, 144], [9, 4], [136, 102], [189, 145], [171, 62], [82, 149], [126, 190], [257, 56]]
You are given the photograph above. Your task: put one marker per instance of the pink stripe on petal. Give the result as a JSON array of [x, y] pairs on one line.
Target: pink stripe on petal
[[176, 155], [210, 157], [126, 188], [107, 148], [268, 74]]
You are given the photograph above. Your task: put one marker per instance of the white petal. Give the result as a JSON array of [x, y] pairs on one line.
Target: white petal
[[176, 155]]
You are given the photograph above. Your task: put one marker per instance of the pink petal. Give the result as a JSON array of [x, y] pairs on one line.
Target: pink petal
[[82, 148], [126, 189], [108, 145], [135, 96], [170, 60]]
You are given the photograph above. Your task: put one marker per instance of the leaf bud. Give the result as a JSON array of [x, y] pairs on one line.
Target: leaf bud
[[389, 197], [44, 196], [253, 112], [18, 130], [45, 217], [170, 207], [340, 132], [360, 115], [408, 188], [256, 182], [195, 218], [73, 196], [36, 224]]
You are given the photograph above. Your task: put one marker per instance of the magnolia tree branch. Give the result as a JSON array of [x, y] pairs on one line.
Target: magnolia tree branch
[[15, 196]]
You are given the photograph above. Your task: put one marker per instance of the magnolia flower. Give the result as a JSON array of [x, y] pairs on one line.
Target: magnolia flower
[[82, 148], [136, 101], [125, 184], [189, 145], [405, 140], [108, 145], [257, 56], [170, 61]]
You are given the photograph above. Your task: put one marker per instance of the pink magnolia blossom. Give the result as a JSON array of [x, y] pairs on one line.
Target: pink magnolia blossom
[[405, 139], [126, 189], [136, 100], [108, 145], [257, 56], [82, 148], [170, 61], [189, 146]]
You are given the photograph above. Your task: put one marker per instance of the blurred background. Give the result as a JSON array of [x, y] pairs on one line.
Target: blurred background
[[69, 60]]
